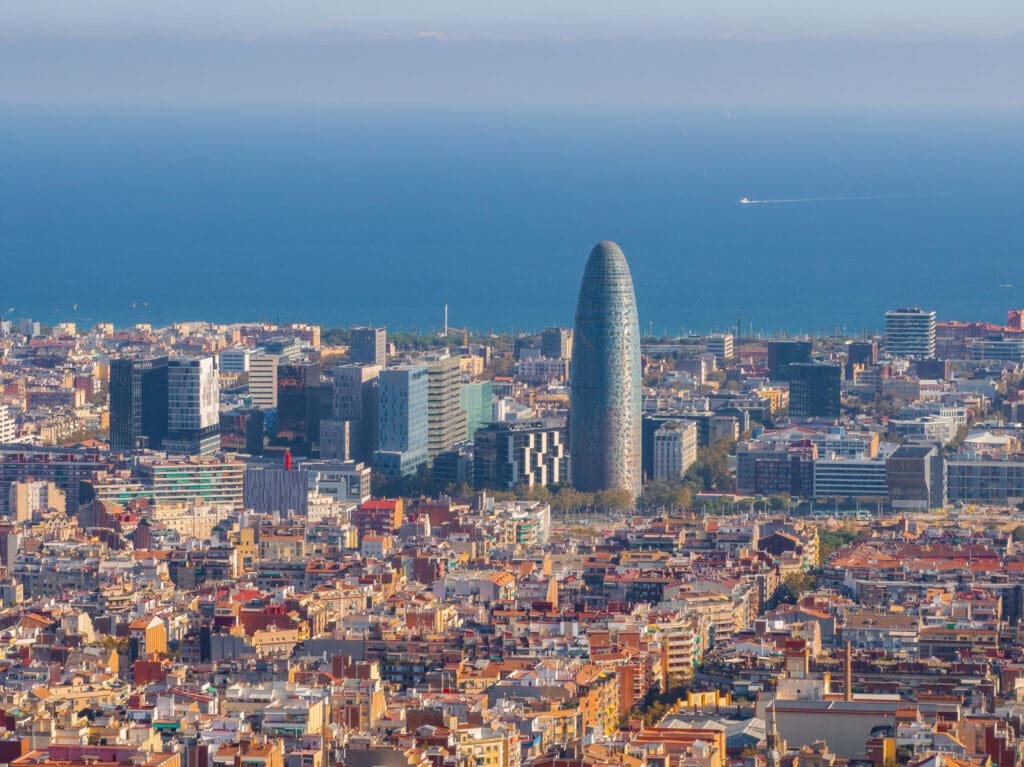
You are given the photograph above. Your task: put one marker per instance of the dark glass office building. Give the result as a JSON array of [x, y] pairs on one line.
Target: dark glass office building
[[814, 390], [782, 354], [299, 396], [605, 377], [138, 403]]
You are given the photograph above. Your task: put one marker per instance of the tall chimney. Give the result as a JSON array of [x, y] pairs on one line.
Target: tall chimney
[[288, 460]]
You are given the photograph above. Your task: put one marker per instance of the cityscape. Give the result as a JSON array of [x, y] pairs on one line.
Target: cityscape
[[535, 384], [294, 545]]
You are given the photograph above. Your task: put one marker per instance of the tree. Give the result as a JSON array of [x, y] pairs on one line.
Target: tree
[[711, 471], [796, 584], [570, 499], [658, 495], [537, 493], [614, 500], [830, 541]]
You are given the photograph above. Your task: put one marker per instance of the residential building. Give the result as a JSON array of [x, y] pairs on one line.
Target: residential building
[[28, 497], [910, 332], [176, 481], [382, 516], [8, 432], [66, 467], [531, 453]]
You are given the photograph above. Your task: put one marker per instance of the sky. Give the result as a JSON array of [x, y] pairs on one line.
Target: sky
[[882, 53]]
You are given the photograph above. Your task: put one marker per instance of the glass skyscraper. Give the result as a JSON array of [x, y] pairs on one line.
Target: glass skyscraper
[[138, 403], [401, 420], [605, 377]]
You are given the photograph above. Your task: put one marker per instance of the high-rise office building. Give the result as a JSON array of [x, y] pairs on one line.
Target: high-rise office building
[[860, 355], [285, 348], [353, 425], [477, 402], [401, 420], [193, 406], [234, 361], [369, 346], [263, 381], [242, 431], [605, 403], [298, 405], [675, 449], [910, 332], [138, 404], [556, 343], [814, 390], [721, 345], [446, 420], [782, 354]]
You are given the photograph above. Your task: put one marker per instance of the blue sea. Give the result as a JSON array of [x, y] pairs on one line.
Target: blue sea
[[377, 215]]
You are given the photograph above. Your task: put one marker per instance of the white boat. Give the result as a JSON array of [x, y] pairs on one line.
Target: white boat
[[744, 201]]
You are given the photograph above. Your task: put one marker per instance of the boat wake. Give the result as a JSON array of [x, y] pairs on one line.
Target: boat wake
[[784, 201]]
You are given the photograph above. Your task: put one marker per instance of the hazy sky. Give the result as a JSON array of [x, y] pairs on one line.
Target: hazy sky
[[786, 52]]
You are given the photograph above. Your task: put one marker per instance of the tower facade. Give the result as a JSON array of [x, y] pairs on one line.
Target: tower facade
[[446, 420], [401, 420], [138, 403], [605, 378], [193, 406], [369, 346], [910, 332]]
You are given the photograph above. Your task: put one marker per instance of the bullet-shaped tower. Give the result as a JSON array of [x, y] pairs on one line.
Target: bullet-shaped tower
[[605, 377]]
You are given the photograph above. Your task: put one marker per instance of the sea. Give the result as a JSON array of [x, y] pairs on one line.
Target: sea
[[383, 215]]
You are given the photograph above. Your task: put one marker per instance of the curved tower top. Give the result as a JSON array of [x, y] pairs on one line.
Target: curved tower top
[[605, 378]]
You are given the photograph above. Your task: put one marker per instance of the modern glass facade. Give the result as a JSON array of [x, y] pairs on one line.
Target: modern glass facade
[[138, 403], [402, 420], [604, 421], [476, 401]]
